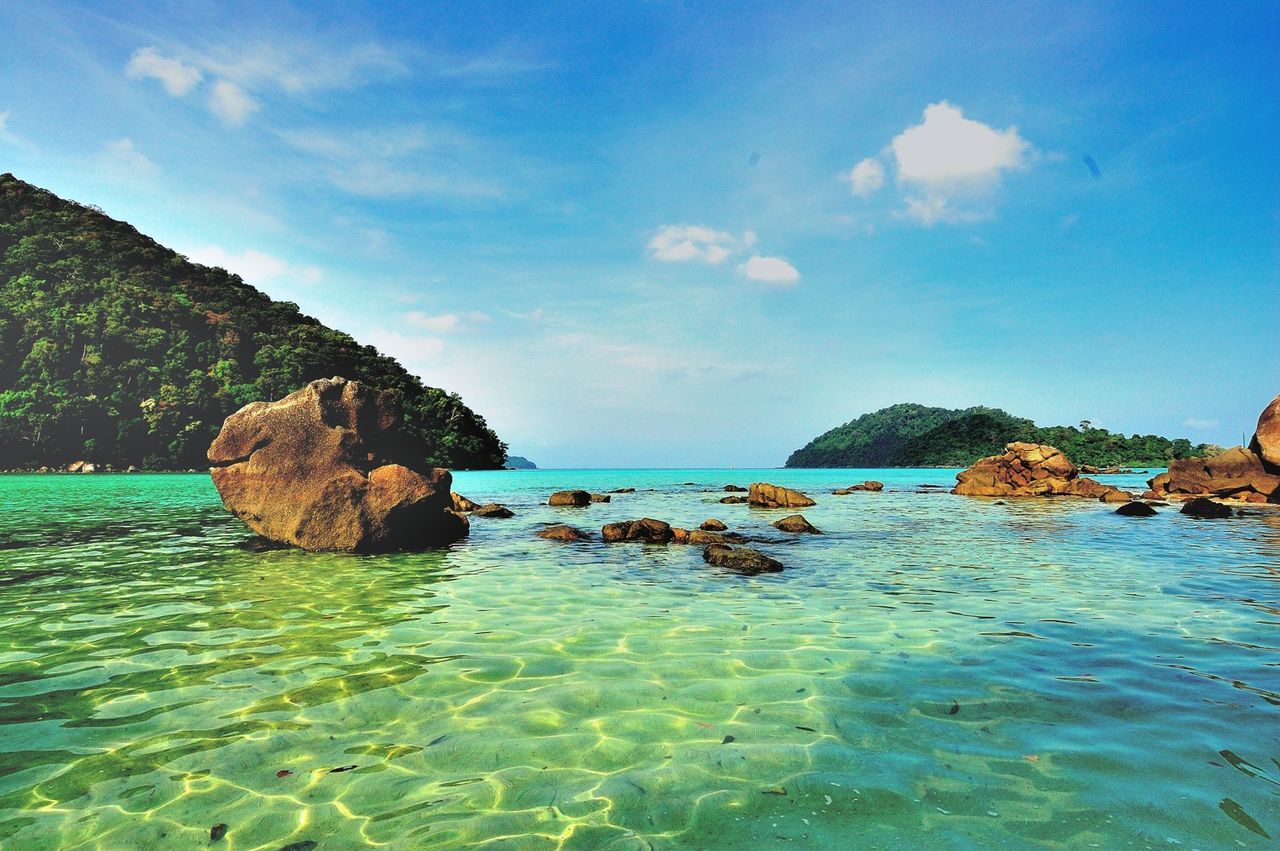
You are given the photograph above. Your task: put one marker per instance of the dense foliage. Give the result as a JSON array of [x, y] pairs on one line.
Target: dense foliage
[[908, 435], [116, 350]]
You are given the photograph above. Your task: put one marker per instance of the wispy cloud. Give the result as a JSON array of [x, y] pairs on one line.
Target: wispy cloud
[[231, 104], [123, 157], [770, 270], [1200, 424], [256, 267], [866, 177], [177, 77], [682, 243], [445, 322]]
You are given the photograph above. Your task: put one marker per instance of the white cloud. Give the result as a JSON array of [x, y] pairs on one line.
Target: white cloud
[[866, 177], [256, 267], [231, 104], [684, 243], [445, 322], [6, 135], [410, 349], [770, 270], [946, 166], [123, 156], [1200, 424], [177, 77]]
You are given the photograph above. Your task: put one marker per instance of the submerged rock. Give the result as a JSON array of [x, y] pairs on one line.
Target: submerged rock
[[493, 509], [712, 525], [326, 468], [623, 490], [1204, 507], [648, 530], [765, 495], [797, 524], [562, 532], [1136, 509], [572, 499], [740, 559]]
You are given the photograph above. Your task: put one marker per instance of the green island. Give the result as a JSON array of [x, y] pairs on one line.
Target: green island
[[911, 435], [119, 351]]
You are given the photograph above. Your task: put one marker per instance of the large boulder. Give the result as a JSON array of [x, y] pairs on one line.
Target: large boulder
[[1031, 469], [1238, 473], [572, 499], [764, 495], [1266, 439], [327, 468]]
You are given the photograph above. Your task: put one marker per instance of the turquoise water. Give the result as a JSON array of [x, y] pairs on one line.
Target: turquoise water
[[934, 670]]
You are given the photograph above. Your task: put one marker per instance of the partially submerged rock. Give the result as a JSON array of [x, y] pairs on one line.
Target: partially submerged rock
[[740, 559], [1136, 509], [648, 530], [562, 532], [869, 485], [765, 495], [623, 490], [798, 524], [701, 537], [1031, 469], [734, 489], [326, 468], [493, 509], [712, 525], [1237, 473], [571, 499], [1204, 507], [733, 500], [601, 497], [461, 503]]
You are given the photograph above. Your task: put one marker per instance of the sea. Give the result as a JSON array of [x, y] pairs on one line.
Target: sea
[[932, 671]]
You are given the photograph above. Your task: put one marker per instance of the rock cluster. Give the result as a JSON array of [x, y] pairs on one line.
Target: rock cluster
[[326, 468], [1031, 469], [1247, 475], [764, 495], [648, 530]]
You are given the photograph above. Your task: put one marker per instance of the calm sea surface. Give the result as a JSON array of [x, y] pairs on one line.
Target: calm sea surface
[[933, 671]]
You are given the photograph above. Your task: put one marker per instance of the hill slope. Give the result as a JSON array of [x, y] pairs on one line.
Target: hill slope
[[909, 435], [118, 350]]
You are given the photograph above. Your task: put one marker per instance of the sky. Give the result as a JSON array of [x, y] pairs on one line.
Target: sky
[[699, 234]]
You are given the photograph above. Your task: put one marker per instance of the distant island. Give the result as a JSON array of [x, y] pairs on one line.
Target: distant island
[[911, 435], [519, 462], [117, 350]]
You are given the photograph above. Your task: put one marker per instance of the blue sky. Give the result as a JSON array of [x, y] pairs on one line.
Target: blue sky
[[699, 234]]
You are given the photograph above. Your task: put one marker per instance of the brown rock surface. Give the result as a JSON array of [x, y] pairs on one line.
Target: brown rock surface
[[734, 500], [870, 485], [601, 497], [701, 537], [1238, 473], [712, 525], [797, 524], [461, 503], [493, 509], [573, 499], [740, 559], [764, 495], [1031, 469], [562, 532], [1266, 439], [647, 530], [325, 468]]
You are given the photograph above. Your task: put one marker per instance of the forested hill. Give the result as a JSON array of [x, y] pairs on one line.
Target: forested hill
[[909, 435], [117, 350]]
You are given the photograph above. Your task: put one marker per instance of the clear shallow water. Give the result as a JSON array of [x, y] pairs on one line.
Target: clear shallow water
[[933, 670]]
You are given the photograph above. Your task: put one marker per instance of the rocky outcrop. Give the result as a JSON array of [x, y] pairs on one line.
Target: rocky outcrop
[[764, 495], [1031, 469], [493, 509], [1204, 507], [797, 525], [740, 559], [1238, 473], [1266, 438], [562, 532], [326, 468], [571, 499], [870, 485], [646, 530], [734, 489], [461, 503], [712, 525]]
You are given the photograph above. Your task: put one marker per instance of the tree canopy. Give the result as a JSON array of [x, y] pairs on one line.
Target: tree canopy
[[117, 350]]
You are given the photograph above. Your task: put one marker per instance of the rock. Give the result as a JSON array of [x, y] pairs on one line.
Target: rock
[[1114, 495], [326, 468], [647, 530], [131, 469], [764, 495], [740, 559], [1030, 469], [1202, 507], [734, 489], [573, 499], [1235, 472], [712, 525], [89, 468], [733, 500], [701, 537], [461, 503], [76, 466], [600, 497], [493, 509], [797, 524], [1088, 469], [1136, 509], [562, 532], [1266, 439], [865, 486], [623, 490]]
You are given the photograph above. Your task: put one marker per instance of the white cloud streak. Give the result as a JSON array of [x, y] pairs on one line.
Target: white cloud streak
[[770, 270], [232, 104], [177, 77], [866, 177]]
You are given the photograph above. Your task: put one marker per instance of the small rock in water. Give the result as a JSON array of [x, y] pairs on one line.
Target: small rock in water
[[562, 532], [955, 708], [726, 740], [573, 499], [217, 832], [284, 772], [623, 490], [734, 489], [341, 768], [1136, 509], [712, 525], [734, 500], [648, 530], [740, 559], [1202, 507], [601, 497], [492, 509], [797, 524]]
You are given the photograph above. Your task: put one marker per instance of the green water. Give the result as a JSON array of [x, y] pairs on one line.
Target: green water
[[934, 670]]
